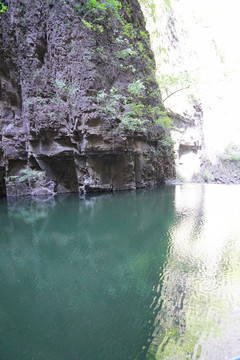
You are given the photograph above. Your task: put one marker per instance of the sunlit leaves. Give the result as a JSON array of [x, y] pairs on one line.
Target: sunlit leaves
[[3, 8]]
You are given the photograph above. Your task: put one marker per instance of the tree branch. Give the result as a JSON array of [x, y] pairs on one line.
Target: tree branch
[[176, 92]]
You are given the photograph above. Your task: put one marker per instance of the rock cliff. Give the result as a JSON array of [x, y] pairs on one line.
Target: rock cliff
[[80, 109]]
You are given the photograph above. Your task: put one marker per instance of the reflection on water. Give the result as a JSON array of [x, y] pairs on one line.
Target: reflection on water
[[76, 275], [131, 276], [199, 306]]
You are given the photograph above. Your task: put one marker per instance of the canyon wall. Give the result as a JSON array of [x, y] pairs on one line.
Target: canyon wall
[[80, 108]]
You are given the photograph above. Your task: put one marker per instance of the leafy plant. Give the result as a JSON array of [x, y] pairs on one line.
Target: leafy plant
[[27, 174], [104, 6], [77, 6], [160, 116], [129, 31], [128, 67], [167, 142], [132, 118], [120, 40], [170, 84], [140, 46], [136, 88], [92, 26], [109, 102], [132, 123], [207, 175], [96, 12], [3, 7], [168, 4], [144, 34], [96, 7], [131, 112], [123, 54], [231, 154]]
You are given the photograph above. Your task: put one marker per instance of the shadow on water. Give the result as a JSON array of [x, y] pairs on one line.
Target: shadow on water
[[79, 275]]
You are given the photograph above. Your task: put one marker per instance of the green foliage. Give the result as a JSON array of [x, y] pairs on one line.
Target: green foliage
[[104, 6], [120, 40], [27, 174], [207, 175], [129, 31], [127, 8], [167, 3], [162, 52], [97, 13], [3, 8], [125, 53], [128, 67], [231, 154], [167, 142], [131, 112], [172, 80], [13, 177], [170, 83], [140, 46], [231, 157], [165, 121], [77, 6], [160, 116], [132, 118], [109, 102], [132, 123], [92, 26], [144, 34], [180, 177], [87, 24], [136, 88], [152, 8], [95, 8]]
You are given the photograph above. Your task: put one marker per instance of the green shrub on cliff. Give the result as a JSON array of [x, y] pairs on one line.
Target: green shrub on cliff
[[105, 5], [96, 12], [231, 153], [3, 8], [130, 108], [102, 7], [136, 88], [27, 174]]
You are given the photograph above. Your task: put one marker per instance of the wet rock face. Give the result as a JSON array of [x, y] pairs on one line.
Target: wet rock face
[[57, 134]]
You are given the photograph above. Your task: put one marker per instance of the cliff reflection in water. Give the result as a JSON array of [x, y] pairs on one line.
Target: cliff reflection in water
[[77, 274], [199, 305]]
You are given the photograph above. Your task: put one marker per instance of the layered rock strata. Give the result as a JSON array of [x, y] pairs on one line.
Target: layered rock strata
[[64, 95]]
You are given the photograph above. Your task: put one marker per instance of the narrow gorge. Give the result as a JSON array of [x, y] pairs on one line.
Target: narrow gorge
[[98, 96]]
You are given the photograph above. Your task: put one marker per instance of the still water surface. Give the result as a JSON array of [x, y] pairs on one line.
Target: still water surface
[[131, 276]]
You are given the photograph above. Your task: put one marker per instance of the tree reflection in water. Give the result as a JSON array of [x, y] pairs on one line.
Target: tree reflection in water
[[199, 305]]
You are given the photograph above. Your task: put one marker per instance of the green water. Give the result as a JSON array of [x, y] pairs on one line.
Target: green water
[[129, 276]]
